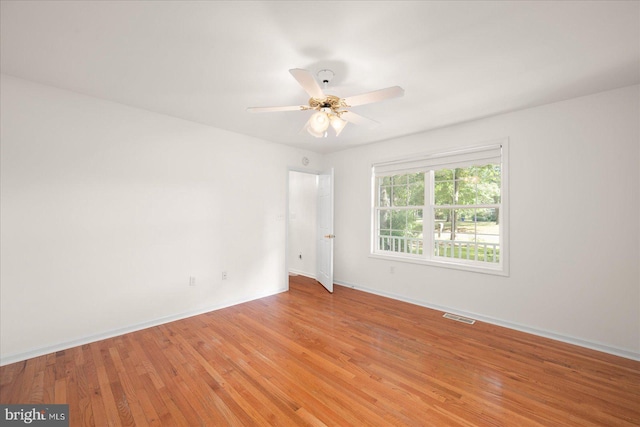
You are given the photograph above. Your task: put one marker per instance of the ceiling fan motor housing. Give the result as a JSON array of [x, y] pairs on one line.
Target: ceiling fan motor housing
[[330, 101]]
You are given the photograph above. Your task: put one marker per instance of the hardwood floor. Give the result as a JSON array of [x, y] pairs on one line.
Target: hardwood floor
[[306, 357]]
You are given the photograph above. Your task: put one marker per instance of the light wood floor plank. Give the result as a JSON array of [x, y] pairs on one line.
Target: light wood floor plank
[[307, 357]]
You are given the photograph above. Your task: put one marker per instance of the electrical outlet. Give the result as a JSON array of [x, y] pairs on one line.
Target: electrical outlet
[[224, 275], [192, 280], [392, 270]]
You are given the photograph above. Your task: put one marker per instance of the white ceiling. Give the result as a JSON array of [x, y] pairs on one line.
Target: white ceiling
[[208, 61]]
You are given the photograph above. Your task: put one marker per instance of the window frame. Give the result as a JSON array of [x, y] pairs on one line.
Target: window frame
[[428, 257]]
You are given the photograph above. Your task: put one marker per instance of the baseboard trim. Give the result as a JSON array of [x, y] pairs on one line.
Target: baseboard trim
[[41, 351], [302, 273], [522, 328]]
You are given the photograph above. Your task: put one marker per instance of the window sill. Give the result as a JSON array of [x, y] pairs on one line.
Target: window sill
[[497, 270]]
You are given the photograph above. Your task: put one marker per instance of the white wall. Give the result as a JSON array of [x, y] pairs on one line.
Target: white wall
[[574, 231], [303, 192], [108, 210]]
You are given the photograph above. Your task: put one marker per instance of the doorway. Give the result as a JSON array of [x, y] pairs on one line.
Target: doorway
[[310, 226], [303, 219]]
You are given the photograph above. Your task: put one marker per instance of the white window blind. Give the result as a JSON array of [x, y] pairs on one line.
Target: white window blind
[[477, 156]]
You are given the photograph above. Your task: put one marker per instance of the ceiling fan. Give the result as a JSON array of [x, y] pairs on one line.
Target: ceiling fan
[[330, 110]]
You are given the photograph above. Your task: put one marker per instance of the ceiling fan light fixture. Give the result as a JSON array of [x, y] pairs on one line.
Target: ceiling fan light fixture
[[337, 123], [319, 122], [312, 132]]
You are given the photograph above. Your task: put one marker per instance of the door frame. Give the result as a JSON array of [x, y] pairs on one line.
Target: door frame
[[288, 217]]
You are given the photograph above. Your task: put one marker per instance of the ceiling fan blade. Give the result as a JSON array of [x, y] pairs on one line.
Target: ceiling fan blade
[[375, 96], [274, 109], [308, 82], [306, 126], [357, 119]]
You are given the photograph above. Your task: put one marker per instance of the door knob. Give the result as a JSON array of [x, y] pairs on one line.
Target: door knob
[[330, 236]]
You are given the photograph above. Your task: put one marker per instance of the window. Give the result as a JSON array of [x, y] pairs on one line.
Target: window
[[445, 209]]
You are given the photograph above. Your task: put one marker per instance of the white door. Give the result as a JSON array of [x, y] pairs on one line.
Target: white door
[[325, 234]]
